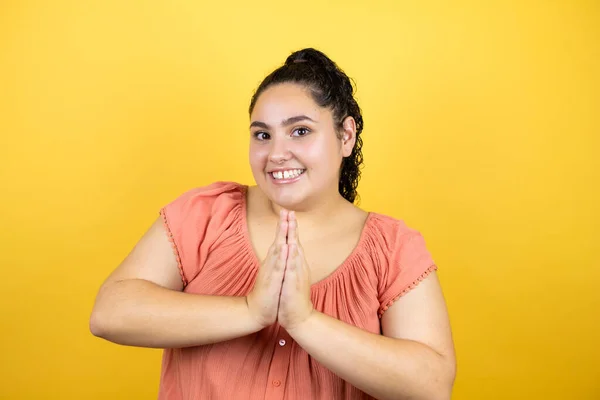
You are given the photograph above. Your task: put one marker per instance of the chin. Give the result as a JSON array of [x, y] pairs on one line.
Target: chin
[[291, 198], [288, 200]]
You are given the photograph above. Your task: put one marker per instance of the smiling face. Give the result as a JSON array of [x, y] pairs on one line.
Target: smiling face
[[295, 150]]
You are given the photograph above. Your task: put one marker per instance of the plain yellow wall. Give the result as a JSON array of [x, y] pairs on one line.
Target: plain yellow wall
[[481, 130]]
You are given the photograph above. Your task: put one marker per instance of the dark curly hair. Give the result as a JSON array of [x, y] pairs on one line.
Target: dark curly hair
[[330, 87]]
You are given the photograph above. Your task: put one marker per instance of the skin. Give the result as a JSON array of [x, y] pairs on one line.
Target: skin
[[289, 130], [414, 358], [141, 303]]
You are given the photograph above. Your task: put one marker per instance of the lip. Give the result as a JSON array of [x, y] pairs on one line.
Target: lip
[[283, 169], [284, 181]]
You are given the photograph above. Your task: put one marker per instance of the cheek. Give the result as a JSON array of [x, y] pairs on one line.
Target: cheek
[[324, 153], [258, 155], [309, 154]]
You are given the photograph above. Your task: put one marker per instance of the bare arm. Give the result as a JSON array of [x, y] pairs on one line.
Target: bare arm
[[141, 303], [414, 359]]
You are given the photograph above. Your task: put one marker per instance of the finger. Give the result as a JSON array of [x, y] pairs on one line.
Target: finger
[[282, 258], [298, 276], [292, 228], [292, 263], [280, 238], [301, 265], [282, 229]]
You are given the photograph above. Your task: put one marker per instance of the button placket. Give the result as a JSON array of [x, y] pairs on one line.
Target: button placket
[[279, 365]]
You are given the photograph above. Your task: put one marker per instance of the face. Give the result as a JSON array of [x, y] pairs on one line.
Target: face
[[295, 149]]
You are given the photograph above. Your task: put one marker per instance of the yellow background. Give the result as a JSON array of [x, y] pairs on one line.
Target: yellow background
[[481, 130]]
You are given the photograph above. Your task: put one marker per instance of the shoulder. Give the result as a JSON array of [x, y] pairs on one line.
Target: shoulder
[[215, 194], [403, 258], [390, 231], [211, 191], [200, 206], [195, 219]]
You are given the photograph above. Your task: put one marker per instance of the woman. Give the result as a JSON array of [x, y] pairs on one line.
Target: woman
[[340, 304]]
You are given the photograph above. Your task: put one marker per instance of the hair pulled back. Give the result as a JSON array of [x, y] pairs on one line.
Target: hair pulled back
[[330, 88]]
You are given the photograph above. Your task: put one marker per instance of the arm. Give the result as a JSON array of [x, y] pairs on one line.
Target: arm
[[141, 303], [413, 360]]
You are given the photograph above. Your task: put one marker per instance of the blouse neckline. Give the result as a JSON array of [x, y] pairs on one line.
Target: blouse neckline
[[345, 265]]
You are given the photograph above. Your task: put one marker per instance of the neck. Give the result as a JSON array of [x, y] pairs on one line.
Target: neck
[[318, 211]]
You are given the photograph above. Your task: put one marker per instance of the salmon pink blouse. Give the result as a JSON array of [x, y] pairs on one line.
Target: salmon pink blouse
[[208, 230]]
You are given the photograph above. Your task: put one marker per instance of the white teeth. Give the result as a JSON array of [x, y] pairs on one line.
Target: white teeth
[[289, 174]]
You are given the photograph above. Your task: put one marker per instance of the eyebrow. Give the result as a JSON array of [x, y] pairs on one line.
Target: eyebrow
[[285, 122]]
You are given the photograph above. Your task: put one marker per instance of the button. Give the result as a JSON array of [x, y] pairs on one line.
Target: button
[[276, 383], [282, 342]]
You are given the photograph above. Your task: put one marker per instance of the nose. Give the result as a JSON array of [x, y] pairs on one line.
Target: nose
[[280, 151]]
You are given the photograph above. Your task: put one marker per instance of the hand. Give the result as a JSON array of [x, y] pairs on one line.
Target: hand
[[295, 305], [263, 300]]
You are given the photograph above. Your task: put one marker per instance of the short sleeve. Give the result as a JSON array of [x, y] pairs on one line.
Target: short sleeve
[[408, 263], [194, 220]]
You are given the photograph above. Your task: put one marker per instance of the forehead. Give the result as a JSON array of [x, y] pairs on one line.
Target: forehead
[[285, 100]]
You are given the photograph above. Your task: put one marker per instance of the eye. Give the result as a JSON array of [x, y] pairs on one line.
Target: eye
[[261, 135], [300, 132]]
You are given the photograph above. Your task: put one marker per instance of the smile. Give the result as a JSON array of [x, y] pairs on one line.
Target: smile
[[287, 174]]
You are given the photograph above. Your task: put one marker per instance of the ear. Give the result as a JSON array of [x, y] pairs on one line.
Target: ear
[[348, 136]]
